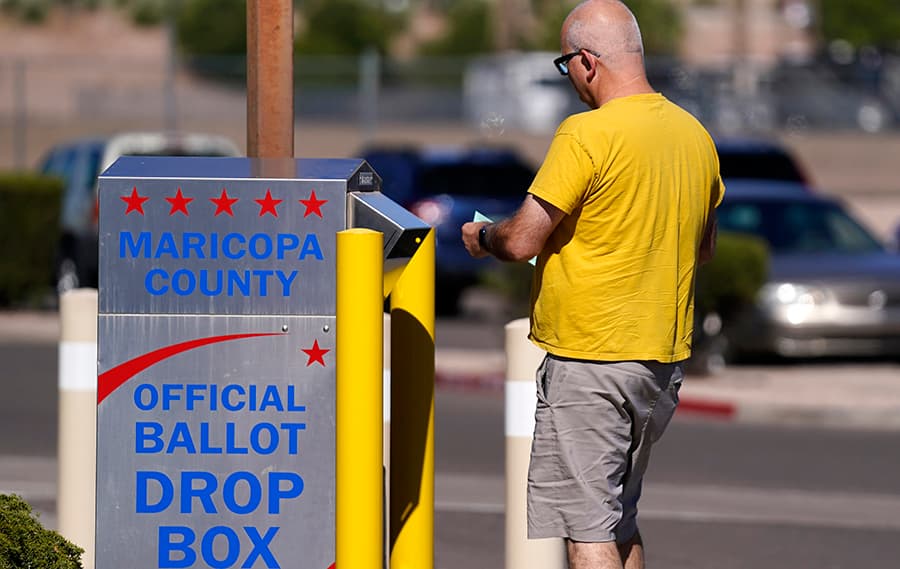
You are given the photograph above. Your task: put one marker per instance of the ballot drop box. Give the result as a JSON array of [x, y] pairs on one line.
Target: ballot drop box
[[216, 356]]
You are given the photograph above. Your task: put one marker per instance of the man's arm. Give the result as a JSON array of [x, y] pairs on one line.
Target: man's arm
[[710, 232], [518, 238], [708, 243]]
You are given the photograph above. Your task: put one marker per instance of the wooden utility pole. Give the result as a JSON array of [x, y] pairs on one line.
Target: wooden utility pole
[[744, 74], [502, 26], [741, 30], [270, 79]]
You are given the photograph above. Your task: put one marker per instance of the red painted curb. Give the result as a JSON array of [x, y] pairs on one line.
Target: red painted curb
[[717, 409], [485, 382], [495, 382]]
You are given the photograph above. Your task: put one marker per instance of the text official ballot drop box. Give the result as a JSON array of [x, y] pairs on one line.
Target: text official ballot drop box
[[216, 338]]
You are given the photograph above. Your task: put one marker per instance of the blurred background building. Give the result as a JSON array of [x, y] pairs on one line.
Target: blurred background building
[[389, 68]]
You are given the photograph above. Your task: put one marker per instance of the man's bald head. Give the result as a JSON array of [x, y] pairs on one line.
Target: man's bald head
[[606, 27]]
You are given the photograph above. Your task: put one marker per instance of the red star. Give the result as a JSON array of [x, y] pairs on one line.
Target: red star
[[313, 205], [223, 203], [135, 202], [179, 203], [315, 354], [267, 204]]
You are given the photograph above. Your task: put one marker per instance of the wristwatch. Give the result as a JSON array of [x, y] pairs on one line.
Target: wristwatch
[[482, 237]]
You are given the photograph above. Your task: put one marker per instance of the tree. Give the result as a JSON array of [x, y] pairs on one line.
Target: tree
[[551, 16], [346, 27], [661, 25], [212, 27], [861, 22], [660, 22], [468, 30]]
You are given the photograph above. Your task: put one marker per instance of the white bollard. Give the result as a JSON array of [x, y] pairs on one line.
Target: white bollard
[[75, 502], [522, 360]]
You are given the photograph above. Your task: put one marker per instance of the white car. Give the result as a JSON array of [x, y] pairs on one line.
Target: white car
[[517, 90], [79, 162]]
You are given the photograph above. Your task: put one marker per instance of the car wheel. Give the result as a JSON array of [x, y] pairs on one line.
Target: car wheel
[[872, 117], [711, 348], [448, 291], [66, 275], [711, 358], [446, 301]]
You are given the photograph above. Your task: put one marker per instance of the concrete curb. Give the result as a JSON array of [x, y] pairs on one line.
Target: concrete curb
[[29, 327], [484, 370], [822, 395]]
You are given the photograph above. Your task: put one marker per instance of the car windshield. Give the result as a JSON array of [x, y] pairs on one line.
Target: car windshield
[[798, 226], [476, 180]]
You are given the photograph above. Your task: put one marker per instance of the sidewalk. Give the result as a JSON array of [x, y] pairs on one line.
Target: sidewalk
[[845, 395], [841, 395]]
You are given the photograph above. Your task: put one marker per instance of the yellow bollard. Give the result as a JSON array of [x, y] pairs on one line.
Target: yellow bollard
[[411, 519], [359, 505]]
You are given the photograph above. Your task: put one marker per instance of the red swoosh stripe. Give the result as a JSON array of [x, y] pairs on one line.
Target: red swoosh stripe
[[109, 381]]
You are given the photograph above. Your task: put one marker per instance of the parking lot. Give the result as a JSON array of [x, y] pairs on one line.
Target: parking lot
[[768, 463]]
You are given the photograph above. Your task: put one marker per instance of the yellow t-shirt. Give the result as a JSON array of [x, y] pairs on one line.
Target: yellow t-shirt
[[637, 179]]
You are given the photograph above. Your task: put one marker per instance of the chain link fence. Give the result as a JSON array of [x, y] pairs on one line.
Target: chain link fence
[[44, 100]]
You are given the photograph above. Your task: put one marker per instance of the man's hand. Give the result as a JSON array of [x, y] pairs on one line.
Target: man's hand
[[470, 239], [518, 238]]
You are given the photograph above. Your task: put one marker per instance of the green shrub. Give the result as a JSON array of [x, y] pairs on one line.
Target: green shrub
[[733, 278], [512, 282], [29, 221], [25, 544]]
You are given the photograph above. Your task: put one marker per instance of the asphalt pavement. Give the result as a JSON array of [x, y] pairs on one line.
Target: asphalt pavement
[[826, 495], [469, 355]]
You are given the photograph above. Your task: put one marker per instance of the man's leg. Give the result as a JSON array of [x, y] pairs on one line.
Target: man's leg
[[604, 555], [586, 398], [632, 552]]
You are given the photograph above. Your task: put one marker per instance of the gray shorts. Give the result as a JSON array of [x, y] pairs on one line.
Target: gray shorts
[[595, 424]]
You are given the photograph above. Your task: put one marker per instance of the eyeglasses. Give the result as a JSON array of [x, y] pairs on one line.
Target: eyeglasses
[[562, 62]]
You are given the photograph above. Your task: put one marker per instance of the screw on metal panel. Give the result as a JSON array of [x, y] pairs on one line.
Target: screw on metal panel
[[326, 328], [284, 327]]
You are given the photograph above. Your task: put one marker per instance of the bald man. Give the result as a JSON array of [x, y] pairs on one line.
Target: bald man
[[620, 214]]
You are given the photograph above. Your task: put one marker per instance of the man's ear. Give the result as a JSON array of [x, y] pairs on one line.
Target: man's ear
[[590, 67]]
